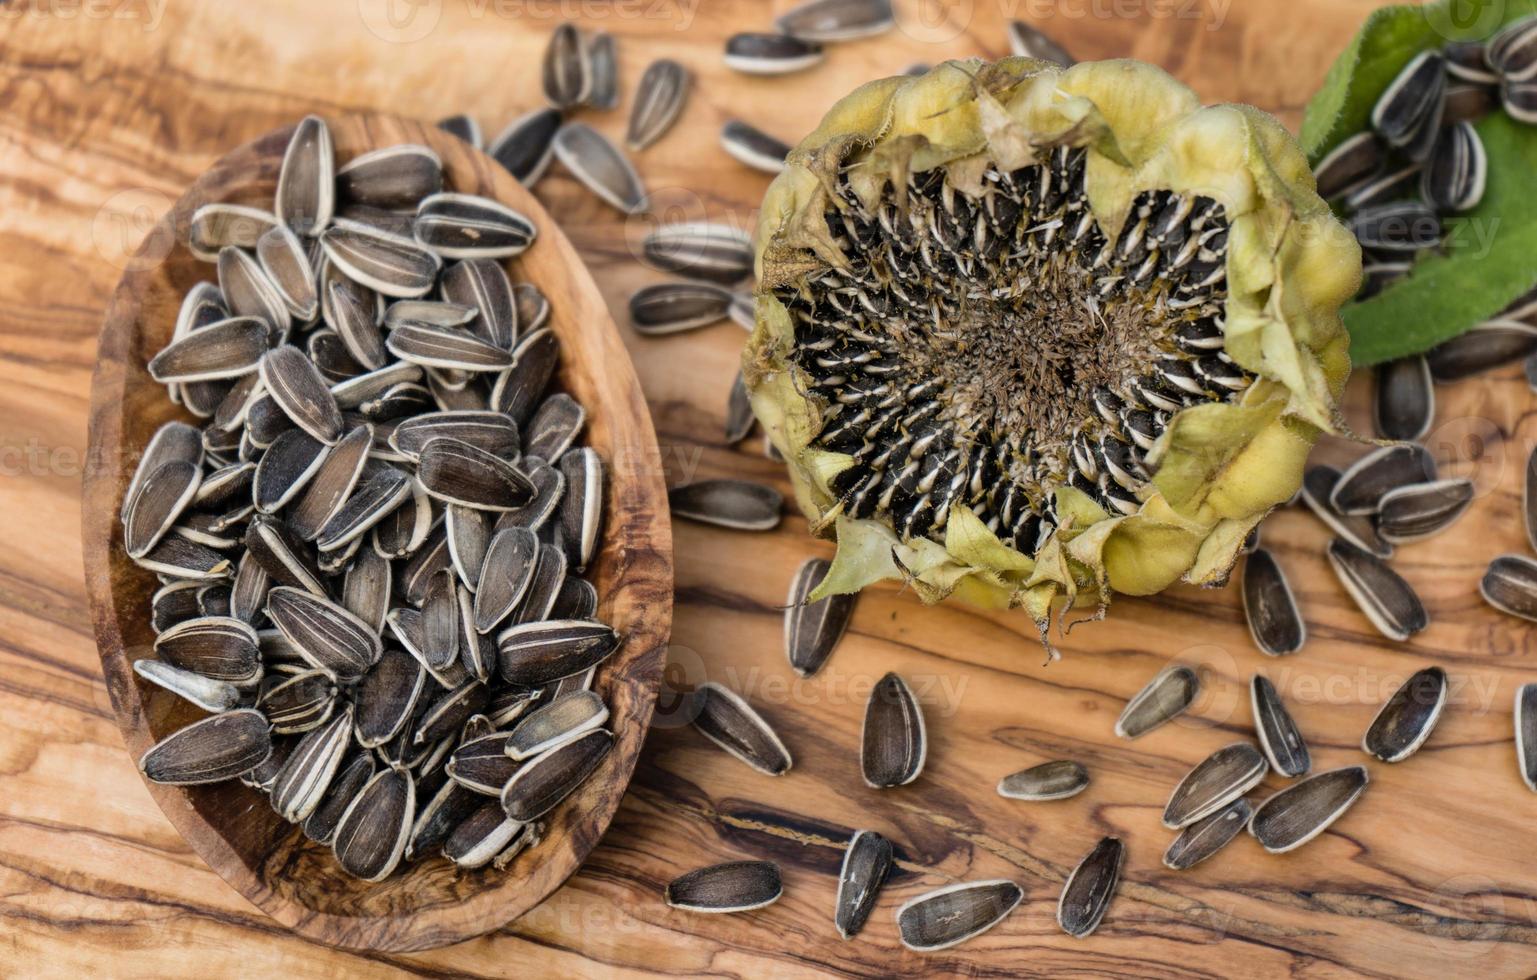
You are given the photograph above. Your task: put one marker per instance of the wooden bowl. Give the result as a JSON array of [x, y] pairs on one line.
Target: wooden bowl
[[429, 903]]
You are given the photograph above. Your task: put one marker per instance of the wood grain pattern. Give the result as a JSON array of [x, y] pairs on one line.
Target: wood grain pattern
[[228, 824], [1427, 876]]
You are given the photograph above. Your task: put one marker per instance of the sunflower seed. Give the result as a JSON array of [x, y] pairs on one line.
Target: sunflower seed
[[1457, 171], [726, 719], [1088, 891], [549, 490], [866, 862], [1467, 60], [556, 723], [894, 741], [1420, 510], [566, 75], [600, 166], [770, 54], [328, 637], [544, 588], [955, 913], [736, 504], [451, 806], [673, 307], [1271, 610], [172, 442], [519, 390], [335, 475], [480, 836], [209, 751], [1350, 165], [555, 426], [837, 20], [226, 349], [700, 250], [262, 775], [372, 834], [387, 696], [482, 285], [216, 226], [1519, 100], [320, 825], [603, 72], [736, 886], [1407, 718], [524, 147], [581, 510], [1387, 187], [1027, 42], [492, 432], [1361, 487], [1218, 780], [1304, 810], [306, 195], [1488, 345], [743, 310], [1048, 781], [466, 226], [179, 558], [1405, 399], [481, 764], [739, 414], [505, 574], [1206, 837], [379, 491], [1381, 593], [298, 703], [1468, 102], [205, 692], [389, 264], [457, 472], [469, 535], [545, 780], [537, 653], [1318, 485], [659, 99], [173, 603], [302, 782], [578, 599], [392, 177], [285, 265], [1397, 226], [1380, 275], [813, 629], [1412, 102], [1513, 51], [449, 713], [285, 469], [440, 620], [1165, 696], [1526, 733], [298, 389], [157, 502], [218, 647], [1277, 732], [753, 147]]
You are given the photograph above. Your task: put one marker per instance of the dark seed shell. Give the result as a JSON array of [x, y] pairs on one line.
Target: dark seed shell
[[210, 751], [537, 653], [328, 637], [320, 825], [1277, 732], [545, 780], [1361, 487], [659, 99], [1167, 695], [526, 145], [894, 742], [372, 834], [1381, 593], [1407, 717], [736, 504], [1055, 780], [736, 886], [1275, 623], [1204, 838], [813, 629], [726, 719], [1089, 889], [1304, 810], [947, 916], [600, 166], [1405, 402], [866, 863], [1218, 780]]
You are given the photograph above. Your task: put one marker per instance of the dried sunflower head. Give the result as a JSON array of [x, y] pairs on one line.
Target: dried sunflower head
[[1030, 335]]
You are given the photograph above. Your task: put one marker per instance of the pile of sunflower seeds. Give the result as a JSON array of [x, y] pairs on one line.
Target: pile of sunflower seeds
[[371, 551]]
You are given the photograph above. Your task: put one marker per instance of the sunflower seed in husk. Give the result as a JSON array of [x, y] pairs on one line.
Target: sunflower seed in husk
[[1467, 60], [264, 423], [159, 499], [1526, 734], [457, 472], [955, 913], [535, 653], [387, 263], [262, 775], [306, 191], [866, 862], [469, 536], [545, 780], [379, 490], [1407, 718], [320, 825], [1487, 346], [450, 806], [754, 147], [699, 250], [177, 557], [1396, 226], [372, 834], [215, 226], [577, 599], [445, 348], [483, 286], [737, 504], [1277, 732], [553, 724], [1468, 102], [504, 576], [1318, 484], [248, 291], [302, 782], [836, 20], [480, 836], [1349, 165], [227, 349], [440, 619], [1088, 891], [727, 720], [285, 263], [1519, 100], [1275, 623], [659, 99], [328, 637], [1412, 100], [173, 441], [894, 741], [673, 307], [387, 696], [449, 712], [391, 177], [1381, 593], [1304, 810], [1028, 42], [524, 146], [209, 751], [172, 603], [1167, 695], [1386, 188], [520, 389], [1457, 171], [549, 573], [285, 469], [735, 886], [218, 647], [333, 482], [1422, 509], [581, 509], [425, 560], [602, 72], [1056, 780], [1361, 487], [468, 226], [1405, 402], [493, 432], [1206, 837], [549, 490], [1513, 51], [1219, 779], [770, 53], [293, 382], [205, 692], [813, 629], [481, 764], [298, 703], [565, 74], [555, 426], [509, 704], [600, 166]]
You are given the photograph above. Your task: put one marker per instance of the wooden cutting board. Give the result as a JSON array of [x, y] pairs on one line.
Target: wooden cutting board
[[108, 111]]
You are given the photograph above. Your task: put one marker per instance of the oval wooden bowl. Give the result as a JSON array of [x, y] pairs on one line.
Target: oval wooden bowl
[[230, 826]]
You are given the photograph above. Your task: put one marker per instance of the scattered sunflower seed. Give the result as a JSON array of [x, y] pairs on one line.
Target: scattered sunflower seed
[[566, 75], [371, 836], [739, 414], [1361, 487], [771, 54], [955, 913], [1457, 171], [894, 741], [1412, 104], [700, 250], [866, 862], [1487, 346], [1422, 509], [1349, 166], [1304, 810], [673, 307], [526, 146], [1218, 780], [813, 629], [736, 504], [1275, 623], [659, 99], [1056, 780], [1206, 837], [1381, 593], [600, 166], [1167, 695], [1407, 718], [1277, 732], [1405, 402], [1318, 484], [837, 20], [1086, 895], [544, 780], [463, 126], [736, 886], [556, 723], [602, 72], [1526, 734], [728, 721], [306, 190], [754, 147]]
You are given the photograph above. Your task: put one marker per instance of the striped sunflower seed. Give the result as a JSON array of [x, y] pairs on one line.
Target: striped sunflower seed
[[302, 782], [1277, 732], [158, 500], [481, 765], [1304, 810], [505, 575], [544, 588], [387, 696], [380, 490], [1395, 226], [602, 72], [1028, 42], [1206, 837], [700, 250], [894, 742], [332, 483], [298, 703], [469, 535], [1487, 346], [1412, 103], [248, 290], [467, 226], [535, 653], [1361, 487], [1512, 53], [813, 628], [555, 426], [726, 719], [293, 382], [226, 349], [205, 692], [1381, 593], [440, 620], [565, 75], [1275, 623], [1405, 402], [285, 469], [556, 723], [673, 307], [457, 472], [737, 504], [736, 886], [600, 166], [1218, 780], [320, 825], [448, 713], [1420, 510], [866, 862], [1468, 60], [284, 262], [577, 599], [526, 146], [771, 54], [218, 647], [371, 836], [216, 226], [482, 285], [659, 100], [1468, 102], [1055, 780], [1166, 696], [951, 915], [1457, 171], [544, 780], [387, 263], [1350, 165], [739, 414], [448, 808], [179, 558], [327, 636], [754, 147], [1086, 895], [480, 837], [209, 751], [1318, 484], [581, 509], [493, 432], [306, 191], [836, 20], [1407, 718], [1526, 734], [519, 389], [1519, 100], [391, 177], [549, 491]]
